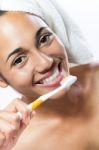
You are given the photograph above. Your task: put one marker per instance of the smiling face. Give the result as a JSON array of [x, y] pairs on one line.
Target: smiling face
[[32, 58]]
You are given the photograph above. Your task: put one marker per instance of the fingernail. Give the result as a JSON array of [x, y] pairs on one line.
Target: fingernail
[[33, 112], [19, 115]]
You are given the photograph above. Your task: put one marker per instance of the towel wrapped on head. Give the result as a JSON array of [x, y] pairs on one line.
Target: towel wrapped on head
[[59, 22]]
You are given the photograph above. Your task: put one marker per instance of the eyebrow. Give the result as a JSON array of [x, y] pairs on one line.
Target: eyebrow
[[18, 50], [38, 33]]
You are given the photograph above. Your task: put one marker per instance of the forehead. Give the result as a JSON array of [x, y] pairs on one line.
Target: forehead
[[16, 22], [15, 28], [18, 18]]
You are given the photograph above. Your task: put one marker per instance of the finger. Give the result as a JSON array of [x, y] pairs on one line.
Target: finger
[[2, 139], [8, 130], [19, 106], [11, 117]]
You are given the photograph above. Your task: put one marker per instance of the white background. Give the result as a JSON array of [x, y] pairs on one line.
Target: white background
[[86, 14]]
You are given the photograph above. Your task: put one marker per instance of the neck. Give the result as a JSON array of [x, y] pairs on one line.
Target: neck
[[59, 108]]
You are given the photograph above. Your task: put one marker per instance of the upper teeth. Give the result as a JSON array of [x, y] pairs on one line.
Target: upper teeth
[[52, 77]]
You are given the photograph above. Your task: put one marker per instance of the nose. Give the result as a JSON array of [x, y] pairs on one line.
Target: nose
[[44, 63]]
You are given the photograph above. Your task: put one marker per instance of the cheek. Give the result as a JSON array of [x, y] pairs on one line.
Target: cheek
[[20, 79], [59, 49]]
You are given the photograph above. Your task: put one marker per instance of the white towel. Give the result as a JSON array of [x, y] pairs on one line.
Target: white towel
[[59, 22]]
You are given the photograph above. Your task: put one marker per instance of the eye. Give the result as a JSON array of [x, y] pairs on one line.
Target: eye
[[19, 60], [45, 39]]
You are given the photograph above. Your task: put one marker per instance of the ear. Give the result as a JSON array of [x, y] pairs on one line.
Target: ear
[[3, 82]]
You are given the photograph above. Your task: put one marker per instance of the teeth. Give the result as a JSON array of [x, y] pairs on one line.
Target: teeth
[[52, 77]]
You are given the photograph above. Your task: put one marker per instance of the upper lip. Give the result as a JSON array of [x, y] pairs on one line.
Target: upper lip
[[48, 73]]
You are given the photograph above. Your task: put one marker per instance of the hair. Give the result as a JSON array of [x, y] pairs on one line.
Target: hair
[[2, 12]]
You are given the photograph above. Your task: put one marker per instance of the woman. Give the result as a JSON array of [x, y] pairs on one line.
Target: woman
[[34, 61]]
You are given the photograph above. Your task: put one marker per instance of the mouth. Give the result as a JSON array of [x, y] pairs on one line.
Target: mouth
[[53, 77]]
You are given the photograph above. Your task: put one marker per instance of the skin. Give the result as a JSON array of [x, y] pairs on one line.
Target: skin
[[23, 67], [36, 60], [76, 126], [69, 120]]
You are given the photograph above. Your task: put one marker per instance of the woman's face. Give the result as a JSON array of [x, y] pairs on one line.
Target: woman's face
[[32, 58]]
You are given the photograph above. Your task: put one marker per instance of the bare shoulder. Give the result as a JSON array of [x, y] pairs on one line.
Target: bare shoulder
[[79, 70], [88, 75]]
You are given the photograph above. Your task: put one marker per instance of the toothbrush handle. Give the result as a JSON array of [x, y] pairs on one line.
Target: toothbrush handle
[[43, 98], [32, 106], [68, 82], [35, 104]]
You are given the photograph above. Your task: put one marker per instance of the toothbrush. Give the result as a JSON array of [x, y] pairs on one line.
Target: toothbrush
[[66, 83]]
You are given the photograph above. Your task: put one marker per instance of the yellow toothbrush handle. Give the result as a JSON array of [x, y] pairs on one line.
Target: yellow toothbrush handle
[[36, 103], [33, 105]]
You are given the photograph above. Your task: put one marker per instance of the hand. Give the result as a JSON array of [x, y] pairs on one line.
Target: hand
[[11, 125]]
